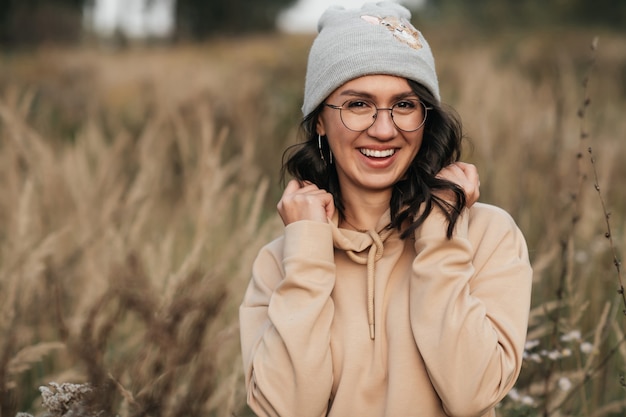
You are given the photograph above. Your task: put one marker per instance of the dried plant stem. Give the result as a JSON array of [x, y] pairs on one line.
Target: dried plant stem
[[607, 215], [566, 250], [568, 242], [582, 112]]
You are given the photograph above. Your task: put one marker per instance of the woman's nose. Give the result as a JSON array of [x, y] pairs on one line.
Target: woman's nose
[[383, 127]]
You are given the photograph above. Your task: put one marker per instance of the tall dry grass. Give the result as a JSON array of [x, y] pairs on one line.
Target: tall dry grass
[[138, 185], [126, 244]]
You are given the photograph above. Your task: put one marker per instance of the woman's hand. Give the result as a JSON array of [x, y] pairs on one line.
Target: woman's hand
[[465, 176], [305, 201]]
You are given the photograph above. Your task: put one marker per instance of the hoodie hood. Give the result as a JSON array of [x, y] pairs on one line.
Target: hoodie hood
[[364, 248]]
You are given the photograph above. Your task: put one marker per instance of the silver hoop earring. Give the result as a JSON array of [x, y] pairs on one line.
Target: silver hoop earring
[[319, 146], [330, 152]]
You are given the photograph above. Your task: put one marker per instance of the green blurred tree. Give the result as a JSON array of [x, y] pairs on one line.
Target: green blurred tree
[[495, 14], [198, 19], [37, 21], [600, 12]]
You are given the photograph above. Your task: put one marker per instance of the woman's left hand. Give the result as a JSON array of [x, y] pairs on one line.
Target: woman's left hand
[[465, 176]]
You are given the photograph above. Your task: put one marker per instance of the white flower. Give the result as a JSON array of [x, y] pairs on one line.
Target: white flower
[[514, 395], [564, 384], [571, 336], [535, 358], [586, 347], [531, 344], [554, 355], [567, 352], [517, 397], [61, 398]]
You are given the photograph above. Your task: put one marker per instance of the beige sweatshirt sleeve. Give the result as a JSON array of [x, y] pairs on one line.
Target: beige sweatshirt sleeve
[[285, 321], [470, 300]]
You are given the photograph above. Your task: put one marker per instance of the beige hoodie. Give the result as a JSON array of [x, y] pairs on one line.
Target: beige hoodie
[[449, 319]]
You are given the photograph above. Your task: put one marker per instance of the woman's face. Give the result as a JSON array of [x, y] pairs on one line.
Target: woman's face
[[375, 159]]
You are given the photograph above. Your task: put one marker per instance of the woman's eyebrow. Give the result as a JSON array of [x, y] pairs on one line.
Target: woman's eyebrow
[[364, 94], [355, 93]]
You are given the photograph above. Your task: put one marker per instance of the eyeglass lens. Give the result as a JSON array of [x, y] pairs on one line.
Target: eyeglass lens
[[407, 115]]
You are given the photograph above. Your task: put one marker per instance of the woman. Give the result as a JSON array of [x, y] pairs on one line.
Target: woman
[[392, 292]]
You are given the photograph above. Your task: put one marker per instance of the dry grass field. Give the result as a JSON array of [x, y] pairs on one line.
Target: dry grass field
[[137, 186]]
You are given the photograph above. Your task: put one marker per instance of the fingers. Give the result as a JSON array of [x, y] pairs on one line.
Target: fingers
[[292, 186], [305, 201], [465, 176]]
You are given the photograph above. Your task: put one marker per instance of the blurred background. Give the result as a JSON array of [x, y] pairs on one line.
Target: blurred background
[[71, 21], [140, 151]]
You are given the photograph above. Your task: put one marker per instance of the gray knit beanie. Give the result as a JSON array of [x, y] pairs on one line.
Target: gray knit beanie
[[376, 39]]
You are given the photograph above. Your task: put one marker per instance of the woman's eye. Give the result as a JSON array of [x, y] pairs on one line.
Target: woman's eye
[[408, 104], [358, 104]]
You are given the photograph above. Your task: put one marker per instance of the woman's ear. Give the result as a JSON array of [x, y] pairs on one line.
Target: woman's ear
[[319, 127]]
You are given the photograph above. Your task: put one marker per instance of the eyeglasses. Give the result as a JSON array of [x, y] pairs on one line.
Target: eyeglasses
[[359, 115]]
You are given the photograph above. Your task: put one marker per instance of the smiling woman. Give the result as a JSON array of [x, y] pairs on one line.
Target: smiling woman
[[392, 292], [376, 161]]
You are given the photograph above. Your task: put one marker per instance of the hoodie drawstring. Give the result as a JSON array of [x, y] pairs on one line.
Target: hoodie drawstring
[[374, 254]]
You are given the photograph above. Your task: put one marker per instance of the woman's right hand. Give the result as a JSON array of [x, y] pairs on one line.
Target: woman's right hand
[[465, 176], [305, 201]]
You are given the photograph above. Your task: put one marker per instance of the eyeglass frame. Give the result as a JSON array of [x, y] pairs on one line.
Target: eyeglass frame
[[375, 116]]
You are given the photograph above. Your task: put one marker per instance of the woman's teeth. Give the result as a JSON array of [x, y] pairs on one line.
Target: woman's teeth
[[378, 154]]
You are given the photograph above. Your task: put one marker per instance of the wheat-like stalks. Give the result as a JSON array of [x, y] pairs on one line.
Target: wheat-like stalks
[[130, 215]]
